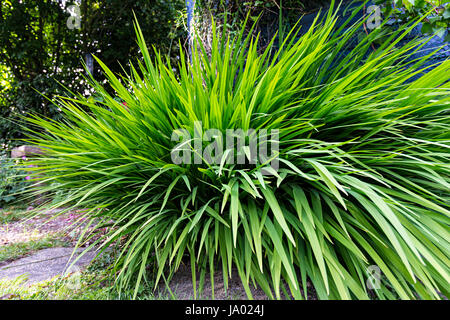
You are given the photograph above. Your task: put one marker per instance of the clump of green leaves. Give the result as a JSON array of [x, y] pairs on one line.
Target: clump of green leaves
[[13, 180], [437, 11], [363, 179]]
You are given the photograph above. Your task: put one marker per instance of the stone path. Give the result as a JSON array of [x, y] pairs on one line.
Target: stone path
[[45, 264], [65, 226]]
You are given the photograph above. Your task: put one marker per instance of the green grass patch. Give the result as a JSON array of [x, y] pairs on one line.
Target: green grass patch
[[15, 251], [84, 286], [13, 214]]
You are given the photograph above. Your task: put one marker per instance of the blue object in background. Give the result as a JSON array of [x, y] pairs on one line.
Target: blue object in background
[[344, 12], [190, 14], [434, 42]]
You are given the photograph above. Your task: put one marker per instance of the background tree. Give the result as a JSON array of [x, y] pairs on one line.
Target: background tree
[[39, 52]]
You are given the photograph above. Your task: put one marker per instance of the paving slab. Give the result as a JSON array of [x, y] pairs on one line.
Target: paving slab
[[46, 264]]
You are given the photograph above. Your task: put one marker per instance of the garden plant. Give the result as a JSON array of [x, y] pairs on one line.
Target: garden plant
[[358, 208]]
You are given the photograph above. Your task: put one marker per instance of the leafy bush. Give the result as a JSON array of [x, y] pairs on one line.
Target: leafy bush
[[13, 182], [437, 11], [363, 177]]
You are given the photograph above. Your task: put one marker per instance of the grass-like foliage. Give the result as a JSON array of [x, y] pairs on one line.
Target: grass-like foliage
[[364, 166]]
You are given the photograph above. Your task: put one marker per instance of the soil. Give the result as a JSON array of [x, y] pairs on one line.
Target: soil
[[182, 288]]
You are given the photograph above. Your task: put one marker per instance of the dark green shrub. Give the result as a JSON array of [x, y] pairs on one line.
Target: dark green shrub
[[437, 11], [13, 182], [39, 53]]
